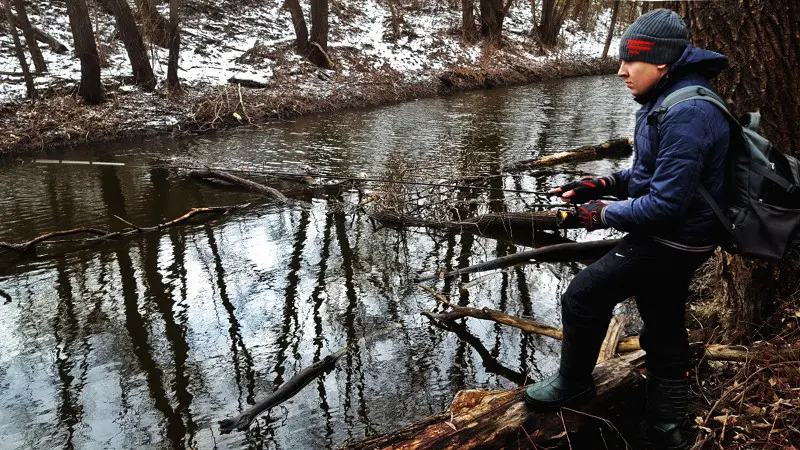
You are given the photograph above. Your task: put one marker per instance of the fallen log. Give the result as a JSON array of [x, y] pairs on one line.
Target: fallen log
[[523, 223], [714, 352], [267, 191], [500, 419], [291, 387], [610, 149], [572, 251], [41, 35]]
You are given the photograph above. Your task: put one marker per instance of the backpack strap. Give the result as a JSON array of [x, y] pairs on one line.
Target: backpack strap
[[723, 219], [685, 94]]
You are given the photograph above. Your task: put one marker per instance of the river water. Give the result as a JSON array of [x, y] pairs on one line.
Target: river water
[[147, 342]]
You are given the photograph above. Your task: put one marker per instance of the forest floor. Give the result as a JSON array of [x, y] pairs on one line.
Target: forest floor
[[238, 67]]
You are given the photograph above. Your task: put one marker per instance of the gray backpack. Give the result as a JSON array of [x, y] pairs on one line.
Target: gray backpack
[[762, 186]]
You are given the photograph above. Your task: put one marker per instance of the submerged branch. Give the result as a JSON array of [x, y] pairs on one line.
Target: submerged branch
[[239, 181], [610, 149], [572, 251], [290, 388]]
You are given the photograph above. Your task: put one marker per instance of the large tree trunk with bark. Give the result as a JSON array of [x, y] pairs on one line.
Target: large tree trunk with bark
[[762, 40], [468, 20], [174, 47], [492, 14], [154, 25], [30, 36], [134, 45], [300, 27], [553, 14], [319, 34], [20, 53], [90, 88]]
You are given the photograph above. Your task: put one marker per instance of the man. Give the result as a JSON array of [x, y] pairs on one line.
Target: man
[[672, 230]]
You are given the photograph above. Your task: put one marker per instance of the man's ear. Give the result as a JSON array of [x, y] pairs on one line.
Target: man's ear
[[661, 67]]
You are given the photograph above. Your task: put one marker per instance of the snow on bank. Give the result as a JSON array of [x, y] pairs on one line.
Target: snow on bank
[[252, 41]]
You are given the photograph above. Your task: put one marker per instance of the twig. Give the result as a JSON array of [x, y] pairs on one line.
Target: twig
[[126, 222]]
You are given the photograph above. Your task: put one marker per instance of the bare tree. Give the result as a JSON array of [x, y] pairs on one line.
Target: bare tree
[[614, 14], [174, 46], [20, 53], [492, 14], [154, 25], [30, 36], [315, 48], [90, 89], [137, 53], [762, 40], [553, 14], [468, 19]]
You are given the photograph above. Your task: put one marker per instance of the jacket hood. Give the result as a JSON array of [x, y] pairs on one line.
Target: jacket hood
[[694, 60], [706, 63]]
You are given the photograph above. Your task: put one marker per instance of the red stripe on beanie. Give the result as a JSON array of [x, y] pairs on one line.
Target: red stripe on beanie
[[643, 43]]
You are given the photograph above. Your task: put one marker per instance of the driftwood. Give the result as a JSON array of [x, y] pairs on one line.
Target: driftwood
[[715, 352], [40, 34], [239, 181], [524, 223], [609, 149], [30, 245], [611, 342], [291, 387], [500, 419], [572, 251]]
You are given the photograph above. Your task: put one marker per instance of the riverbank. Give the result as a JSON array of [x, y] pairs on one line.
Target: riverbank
[[238, 68]]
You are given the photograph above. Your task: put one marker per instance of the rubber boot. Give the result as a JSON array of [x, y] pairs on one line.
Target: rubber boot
[[571, 385], [667, 401]]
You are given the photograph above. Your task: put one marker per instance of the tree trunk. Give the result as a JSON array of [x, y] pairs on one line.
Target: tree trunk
[[137, 53], [30, 36], [154, 25], [20, 53], [468, 19], [300, 28], [174, 47], [40, 35], [614, 14], [90, 88], [492, 14], [553, 15], [762, 40], [319, 34], [500, 419]]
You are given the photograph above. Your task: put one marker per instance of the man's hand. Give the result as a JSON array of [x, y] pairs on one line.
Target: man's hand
[[591, 215], [585, 189]]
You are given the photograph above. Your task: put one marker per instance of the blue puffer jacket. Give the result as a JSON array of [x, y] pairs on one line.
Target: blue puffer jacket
[[672, 159]]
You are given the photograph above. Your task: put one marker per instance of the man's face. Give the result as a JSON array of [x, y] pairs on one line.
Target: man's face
[[640, 76]]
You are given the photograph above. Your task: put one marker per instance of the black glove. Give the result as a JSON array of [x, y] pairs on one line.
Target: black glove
[[586, 189], [591, 215]]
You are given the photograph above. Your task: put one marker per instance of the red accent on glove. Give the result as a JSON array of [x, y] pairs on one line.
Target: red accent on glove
[[591, 215]]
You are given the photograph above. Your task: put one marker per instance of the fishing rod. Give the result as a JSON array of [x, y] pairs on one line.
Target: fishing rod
[[288, 174]]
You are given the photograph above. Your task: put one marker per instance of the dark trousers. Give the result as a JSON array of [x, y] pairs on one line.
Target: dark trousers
[[658, 277]]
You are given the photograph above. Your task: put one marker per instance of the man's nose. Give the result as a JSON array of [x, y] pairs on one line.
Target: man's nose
[[623, 71]]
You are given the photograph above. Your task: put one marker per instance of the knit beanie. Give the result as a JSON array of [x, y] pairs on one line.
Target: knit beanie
[[657, 37]]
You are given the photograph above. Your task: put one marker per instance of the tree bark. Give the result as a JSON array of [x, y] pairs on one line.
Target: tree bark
[[468, 20], [20, 53], [762, 40], [134, 45], [299, 23], [614, 14], [40, 35], [174, 47], [553, 15], [154, 25], [500, 419], [30, 36], [90, 89], [492, 14], [319, 34]]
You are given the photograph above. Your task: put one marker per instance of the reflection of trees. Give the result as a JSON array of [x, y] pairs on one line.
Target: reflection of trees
[[352, 322], [243, 363]]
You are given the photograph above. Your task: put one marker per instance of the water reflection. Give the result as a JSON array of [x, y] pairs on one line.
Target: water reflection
[[149, 341]]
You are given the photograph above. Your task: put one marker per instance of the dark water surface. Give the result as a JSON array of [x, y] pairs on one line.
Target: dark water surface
[[147, 342]]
